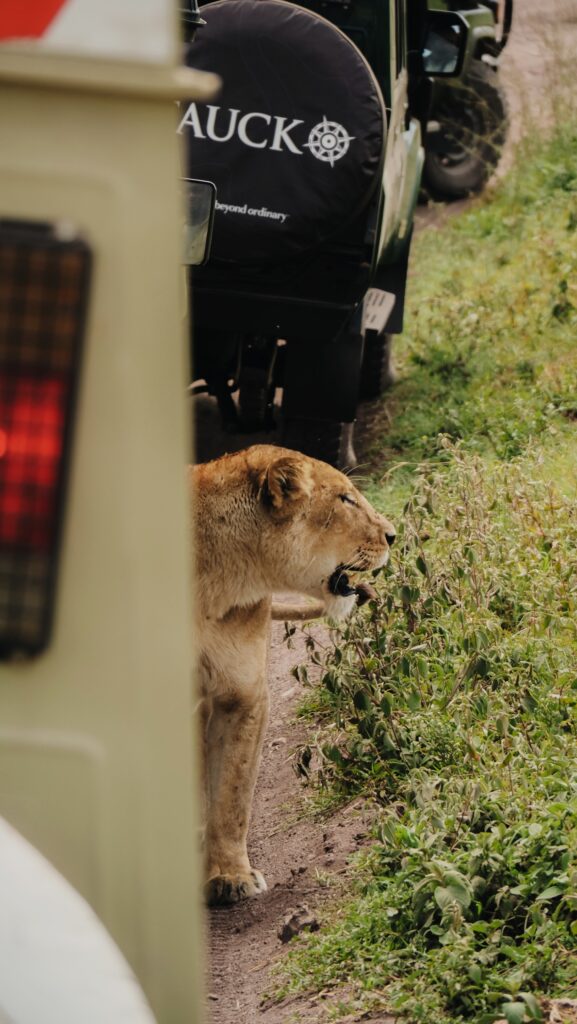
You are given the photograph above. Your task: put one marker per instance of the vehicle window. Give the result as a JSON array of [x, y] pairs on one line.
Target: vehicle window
[[367, 23], [359, 38]]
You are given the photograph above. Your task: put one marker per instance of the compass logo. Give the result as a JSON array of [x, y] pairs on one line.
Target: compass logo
[[328, 141]]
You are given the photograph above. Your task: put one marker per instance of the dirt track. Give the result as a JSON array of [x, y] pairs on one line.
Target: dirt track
[[297, 855], [294, 854]]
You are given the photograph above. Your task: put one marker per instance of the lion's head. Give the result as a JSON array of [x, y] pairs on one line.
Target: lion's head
[[316, 530]]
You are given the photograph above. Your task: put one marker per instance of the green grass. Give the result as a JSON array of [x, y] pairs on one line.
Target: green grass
[[488, 357], [451, 703]]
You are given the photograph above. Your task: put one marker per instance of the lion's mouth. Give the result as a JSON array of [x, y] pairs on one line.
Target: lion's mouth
[[340, 585]]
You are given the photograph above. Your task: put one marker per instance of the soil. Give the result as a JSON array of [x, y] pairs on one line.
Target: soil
[[298, 857], [304, 859]]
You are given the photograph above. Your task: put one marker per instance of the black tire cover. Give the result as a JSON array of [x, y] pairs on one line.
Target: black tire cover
[[294, 141]]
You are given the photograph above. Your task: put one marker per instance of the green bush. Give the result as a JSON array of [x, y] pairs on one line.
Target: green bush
[[450, 703]]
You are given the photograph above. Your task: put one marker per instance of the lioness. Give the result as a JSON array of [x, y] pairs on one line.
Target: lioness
[[266, 519]]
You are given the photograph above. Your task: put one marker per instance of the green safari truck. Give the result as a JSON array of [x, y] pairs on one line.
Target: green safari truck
[[315, 147]]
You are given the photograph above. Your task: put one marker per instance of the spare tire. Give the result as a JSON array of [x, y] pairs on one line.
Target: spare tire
[[295, 139]]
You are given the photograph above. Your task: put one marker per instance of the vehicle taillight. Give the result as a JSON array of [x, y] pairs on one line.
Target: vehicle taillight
[[43, 294]]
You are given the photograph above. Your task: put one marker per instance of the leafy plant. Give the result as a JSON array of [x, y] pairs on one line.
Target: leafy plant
[[451, 702]]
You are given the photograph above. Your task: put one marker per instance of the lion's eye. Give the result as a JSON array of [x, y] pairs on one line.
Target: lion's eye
[[346, 498]]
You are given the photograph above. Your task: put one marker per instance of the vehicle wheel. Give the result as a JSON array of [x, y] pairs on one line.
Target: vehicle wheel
[[328, 440], [377, 370], [226, 407], [255, 401], [256, 383], [473, 122]]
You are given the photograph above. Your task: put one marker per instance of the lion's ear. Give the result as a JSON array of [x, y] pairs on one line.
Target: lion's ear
[[285, 481]]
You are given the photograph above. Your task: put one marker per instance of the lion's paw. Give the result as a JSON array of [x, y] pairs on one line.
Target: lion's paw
[[223, 890]]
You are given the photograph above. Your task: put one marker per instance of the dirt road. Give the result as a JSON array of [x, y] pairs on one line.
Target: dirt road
[[299, 856]]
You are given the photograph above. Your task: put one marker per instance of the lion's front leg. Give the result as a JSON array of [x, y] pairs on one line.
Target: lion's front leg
[[233, 744]]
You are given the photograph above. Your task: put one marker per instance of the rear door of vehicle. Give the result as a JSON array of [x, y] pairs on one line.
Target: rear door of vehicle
[[404, 157]]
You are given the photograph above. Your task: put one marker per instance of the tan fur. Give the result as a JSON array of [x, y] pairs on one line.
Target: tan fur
[[266, 519], [297, 612]]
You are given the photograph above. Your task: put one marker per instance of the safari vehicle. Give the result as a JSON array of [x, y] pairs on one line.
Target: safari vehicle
[[314, 145], [467, 123], [96, 746]]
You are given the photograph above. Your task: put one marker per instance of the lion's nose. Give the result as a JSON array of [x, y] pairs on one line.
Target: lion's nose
[[390, 532]]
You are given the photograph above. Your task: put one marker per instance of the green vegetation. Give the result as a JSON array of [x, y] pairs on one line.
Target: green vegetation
[[451, 703], [489, 349]]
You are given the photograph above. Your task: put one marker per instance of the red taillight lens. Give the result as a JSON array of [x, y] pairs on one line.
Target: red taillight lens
[[43, 291], [32, 415]]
